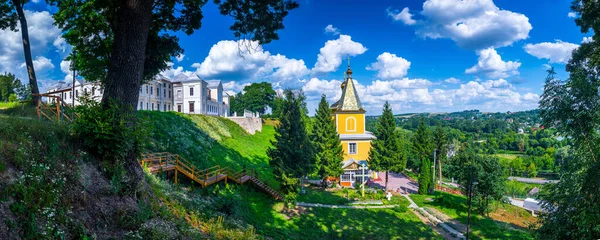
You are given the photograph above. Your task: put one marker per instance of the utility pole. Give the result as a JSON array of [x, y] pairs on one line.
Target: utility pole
[[470, 192]]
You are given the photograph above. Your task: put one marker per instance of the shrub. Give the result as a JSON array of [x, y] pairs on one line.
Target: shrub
[[401, 208], [109, 134]]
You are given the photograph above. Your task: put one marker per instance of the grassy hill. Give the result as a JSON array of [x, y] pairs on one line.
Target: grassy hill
[[207, 141]]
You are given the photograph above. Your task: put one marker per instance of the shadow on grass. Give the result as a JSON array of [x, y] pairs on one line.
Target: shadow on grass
[[327, 223], [318, 195]]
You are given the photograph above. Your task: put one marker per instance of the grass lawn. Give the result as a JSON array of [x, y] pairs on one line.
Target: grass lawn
[[509, 155], [506, 222], [5, 105], [518, 189], [335, 196], [271, 220]]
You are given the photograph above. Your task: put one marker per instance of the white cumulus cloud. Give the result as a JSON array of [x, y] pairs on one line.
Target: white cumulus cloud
[[403, 16], [452, 80], [180, 57], [556, 52], [330, 55], [43, 36], [472, 24], [491, 65], [333, 30], [571, 15], [389, 66], [225, 61]]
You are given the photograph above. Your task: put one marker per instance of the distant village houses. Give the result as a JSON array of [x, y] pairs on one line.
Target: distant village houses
[[184, 94]]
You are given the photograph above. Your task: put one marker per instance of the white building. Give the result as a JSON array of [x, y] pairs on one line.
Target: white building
[[184, 94], [196, 96]]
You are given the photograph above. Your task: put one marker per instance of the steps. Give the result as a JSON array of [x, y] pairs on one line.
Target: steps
[[162, 162]]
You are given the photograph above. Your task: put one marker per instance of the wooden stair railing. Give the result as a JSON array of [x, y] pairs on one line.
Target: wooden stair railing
[[159, 162]]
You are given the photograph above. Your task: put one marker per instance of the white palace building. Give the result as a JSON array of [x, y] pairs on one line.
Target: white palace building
[[184, 94]]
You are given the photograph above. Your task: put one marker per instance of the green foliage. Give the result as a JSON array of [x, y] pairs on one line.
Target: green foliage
[[481, 176], [327, 146], [482, 227], [257, 96], [572, 106], [292, 154], [425, 177], [386, 151], [97, 21], [43, 155], [422, 142], [107, 135], [10, 86]]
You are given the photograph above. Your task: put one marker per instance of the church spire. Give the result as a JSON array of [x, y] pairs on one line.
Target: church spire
[[349, 71]]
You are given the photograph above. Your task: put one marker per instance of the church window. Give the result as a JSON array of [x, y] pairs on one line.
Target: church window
[[352, 149]]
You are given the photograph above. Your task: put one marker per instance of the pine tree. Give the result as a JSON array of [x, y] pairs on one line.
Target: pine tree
[[327, 146], [386, 152], [292, 154], [440, 141], [425, 176], [422, 144]]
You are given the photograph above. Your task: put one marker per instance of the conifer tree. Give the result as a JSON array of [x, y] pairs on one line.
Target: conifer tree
[[328, 148], [425, 176], [386, 152], [422, 142], [292, 154], [440, 140]]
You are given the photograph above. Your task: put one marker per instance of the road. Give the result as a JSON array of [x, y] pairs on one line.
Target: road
[[532, 180]]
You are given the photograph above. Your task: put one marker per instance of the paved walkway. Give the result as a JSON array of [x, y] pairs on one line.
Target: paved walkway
[[532, 180], [303, 204], [397, 183]]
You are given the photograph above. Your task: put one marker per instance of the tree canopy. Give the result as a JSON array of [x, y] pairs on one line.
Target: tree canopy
[[386, 150], [573, 107], [327, 146], [91, 27], [292, 155]]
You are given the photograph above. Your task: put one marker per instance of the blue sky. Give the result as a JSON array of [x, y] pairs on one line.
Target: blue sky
[[421, 56]]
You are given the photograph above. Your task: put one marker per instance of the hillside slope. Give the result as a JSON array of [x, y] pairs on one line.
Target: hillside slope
[[50, 188], [208, 141]]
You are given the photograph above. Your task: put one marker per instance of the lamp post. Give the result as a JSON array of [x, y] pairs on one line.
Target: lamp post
[[433, 170]]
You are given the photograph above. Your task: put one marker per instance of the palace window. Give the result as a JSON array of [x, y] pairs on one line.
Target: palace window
[[151, 90], [191, 107], [352, 149], [191, 91]]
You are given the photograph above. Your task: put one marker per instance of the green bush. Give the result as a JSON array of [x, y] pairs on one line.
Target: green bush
[[110, 135], [401, 208]]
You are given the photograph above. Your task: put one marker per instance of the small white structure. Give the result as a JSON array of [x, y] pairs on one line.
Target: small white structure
[[532, 205]]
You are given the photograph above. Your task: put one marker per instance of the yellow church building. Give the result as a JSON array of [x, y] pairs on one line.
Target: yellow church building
[[349, 117]]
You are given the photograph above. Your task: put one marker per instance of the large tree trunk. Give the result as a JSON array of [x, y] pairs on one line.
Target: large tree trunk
[[126, 68], [27, 50]]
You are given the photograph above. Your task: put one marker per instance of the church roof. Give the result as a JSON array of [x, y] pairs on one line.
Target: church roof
[[349, 100]]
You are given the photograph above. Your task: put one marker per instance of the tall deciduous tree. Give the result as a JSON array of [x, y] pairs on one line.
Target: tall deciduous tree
[[11, 12], [292, 154], [9, 84], [572, 106], [326, 142], [479, 175], [257, 96], [121, 43], [386, 152]]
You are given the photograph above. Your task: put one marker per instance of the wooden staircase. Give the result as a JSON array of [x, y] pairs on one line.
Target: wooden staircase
[[163, 162]]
